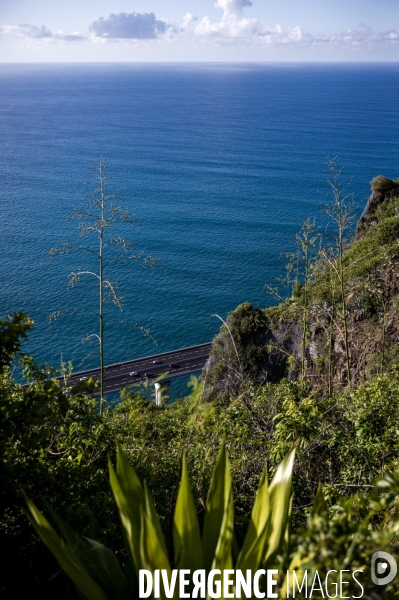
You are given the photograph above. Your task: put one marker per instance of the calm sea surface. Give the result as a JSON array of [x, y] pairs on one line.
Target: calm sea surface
[[220, 163]]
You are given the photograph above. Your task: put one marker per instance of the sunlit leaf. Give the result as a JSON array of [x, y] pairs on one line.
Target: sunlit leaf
[[319, 505], [253, 548], [129, 497], [186, 534], [151, 514], [280, 492], [152, 553], [218, 524]]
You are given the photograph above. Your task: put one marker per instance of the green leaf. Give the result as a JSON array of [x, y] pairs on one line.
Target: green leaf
[[223, 558], [253, 548], [129, 497], [100, 563], [67, 559], [152, 554], [319, 505], [186, 534], [280, 502], [218, 524], [151, 514]]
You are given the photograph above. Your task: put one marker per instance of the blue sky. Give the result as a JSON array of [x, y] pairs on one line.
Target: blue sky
[[194, 30]]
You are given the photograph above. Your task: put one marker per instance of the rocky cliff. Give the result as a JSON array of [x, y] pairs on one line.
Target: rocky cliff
[[267, 345]]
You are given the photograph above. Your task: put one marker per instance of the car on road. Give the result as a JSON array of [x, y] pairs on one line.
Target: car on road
[[174, 366], [148, 375], [83, 379], [134, 374], [157, 361]]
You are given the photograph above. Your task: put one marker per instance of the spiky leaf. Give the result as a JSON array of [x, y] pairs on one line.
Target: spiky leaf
[[186, 534], [280, 492], [67, 559], [129, 497], [252, 551], [218, 524]]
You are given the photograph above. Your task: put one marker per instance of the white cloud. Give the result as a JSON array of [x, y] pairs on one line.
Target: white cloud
[[139, 26], [69, 37], [231, 30], [9, 29], [186, 21], [232, 6], [25, 30], [234, 30], [363, 37], [34, 32]]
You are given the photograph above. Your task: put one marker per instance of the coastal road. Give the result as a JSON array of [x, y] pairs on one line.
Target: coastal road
[[175, 363]]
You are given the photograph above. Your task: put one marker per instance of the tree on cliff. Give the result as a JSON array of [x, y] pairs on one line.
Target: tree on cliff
[[102, 210]]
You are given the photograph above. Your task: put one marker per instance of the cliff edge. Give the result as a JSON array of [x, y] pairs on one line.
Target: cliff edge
[[323, 335]]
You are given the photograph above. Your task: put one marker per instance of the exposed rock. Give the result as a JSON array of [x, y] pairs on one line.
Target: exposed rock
[[375, 199]]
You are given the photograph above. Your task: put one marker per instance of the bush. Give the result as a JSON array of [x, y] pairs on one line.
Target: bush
[[54, 445], [381, 184]]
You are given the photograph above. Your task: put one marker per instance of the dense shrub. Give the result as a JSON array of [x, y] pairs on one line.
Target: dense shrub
[[54, 446], [381, 184]]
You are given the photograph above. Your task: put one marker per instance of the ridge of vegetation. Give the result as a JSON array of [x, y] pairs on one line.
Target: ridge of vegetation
[[338, 324]]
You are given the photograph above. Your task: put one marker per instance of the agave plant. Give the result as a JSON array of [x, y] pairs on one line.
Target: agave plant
[[95, 570]]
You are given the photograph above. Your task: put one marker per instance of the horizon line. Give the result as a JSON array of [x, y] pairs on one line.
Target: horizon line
[[199, 62]]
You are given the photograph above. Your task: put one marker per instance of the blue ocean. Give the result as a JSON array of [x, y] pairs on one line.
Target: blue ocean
[[220, 162]]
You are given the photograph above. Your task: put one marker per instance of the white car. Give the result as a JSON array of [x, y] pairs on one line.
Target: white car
[[133, 374], [83, 379]]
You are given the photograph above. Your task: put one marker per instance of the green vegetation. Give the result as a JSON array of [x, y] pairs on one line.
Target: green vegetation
[[339, 324], [95, 570], [277, 377], [57, 448], [343, 537], [381, 184]]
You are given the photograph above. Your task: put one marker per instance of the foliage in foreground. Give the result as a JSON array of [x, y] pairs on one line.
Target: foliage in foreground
[[55, 445], [344, 538], [95, 570]]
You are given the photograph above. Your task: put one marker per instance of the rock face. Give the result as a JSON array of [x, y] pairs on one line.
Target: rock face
[[264, 358], [381, 194]]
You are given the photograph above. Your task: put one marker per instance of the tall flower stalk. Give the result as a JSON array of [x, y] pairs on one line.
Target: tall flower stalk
[[102, 211]]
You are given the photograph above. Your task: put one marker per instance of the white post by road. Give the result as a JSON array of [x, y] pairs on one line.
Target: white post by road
[[161, 392]]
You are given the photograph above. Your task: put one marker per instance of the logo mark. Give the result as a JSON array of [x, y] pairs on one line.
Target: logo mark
[[381, 568]]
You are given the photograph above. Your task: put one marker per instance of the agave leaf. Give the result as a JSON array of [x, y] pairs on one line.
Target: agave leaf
[[100, 563], [319, 505], [129, 497], [105, 569], [223, 558], [218, 524], [253, 548], [280, 501], [152, 554], [68, 561], [151, 514], [186, 534]]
